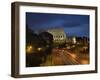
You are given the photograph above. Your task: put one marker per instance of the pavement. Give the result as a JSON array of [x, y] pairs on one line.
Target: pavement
[[65, 57]]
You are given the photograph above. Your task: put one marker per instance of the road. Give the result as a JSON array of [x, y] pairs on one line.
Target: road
[[64, 57]]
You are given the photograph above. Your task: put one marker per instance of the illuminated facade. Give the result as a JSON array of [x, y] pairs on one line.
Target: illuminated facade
[[59, 36]]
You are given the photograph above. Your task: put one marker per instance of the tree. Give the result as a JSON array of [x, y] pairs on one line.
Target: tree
[[42, 47], [48, 39]]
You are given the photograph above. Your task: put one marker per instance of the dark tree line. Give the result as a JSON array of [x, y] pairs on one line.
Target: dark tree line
[[43, 40]]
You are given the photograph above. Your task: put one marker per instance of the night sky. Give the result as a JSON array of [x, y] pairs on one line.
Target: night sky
[[74, 25]]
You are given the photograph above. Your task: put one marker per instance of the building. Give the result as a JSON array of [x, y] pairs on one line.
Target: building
[[71, 39], [59, 36], [74, 40]]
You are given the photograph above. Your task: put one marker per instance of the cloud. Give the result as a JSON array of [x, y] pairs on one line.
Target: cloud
[[73, 24], [81, 30]]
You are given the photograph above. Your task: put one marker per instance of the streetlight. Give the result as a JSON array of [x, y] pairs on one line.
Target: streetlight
[[39, 49], [29, 49]]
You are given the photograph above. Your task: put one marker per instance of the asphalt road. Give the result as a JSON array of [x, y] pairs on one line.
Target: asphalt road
[[64, 57]]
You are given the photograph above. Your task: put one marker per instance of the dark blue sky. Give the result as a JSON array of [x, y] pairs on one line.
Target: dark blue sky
[[74, 25]]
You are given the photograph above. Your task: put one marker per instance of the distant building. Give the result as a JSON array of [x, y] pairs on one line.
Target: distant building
[[74, 40], [59, 36], [82, 40], [71, 39]]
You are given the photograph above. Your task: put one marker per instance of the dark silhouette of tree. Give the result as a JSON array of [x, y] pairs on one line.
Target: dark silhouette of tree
[[35, 58], [44, 41], [48, 39]]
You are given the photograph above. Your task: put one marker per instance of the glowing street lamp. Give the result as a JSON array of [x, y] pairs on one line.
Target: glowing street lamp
[[29, 49], [39, 49]]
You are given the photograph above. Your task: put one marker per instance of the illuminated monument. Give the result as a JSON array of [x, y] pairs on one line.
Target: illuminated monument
[[59, 36]]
